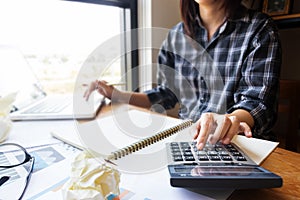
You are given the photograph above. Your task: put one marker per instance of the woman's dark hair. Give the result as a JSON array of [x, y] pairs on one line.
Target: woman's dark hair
[[190, 10]]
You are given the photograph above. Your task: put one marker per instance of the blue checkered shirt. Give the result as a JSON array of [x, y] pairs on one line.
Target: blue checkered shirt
[[238, 68]]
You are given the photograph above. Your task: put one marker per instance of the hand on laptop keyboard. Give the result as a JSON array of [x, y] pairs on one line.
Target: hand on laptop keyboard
[[104, 88]]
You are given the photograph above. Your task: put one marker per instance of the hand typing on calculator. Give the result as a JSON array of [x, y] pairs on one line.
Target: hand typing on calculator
[[214, 127]]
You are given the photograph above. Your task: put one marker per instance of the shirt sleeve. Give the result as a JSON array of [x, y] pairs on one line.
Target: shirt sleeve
[[165, 93], [259, 85]]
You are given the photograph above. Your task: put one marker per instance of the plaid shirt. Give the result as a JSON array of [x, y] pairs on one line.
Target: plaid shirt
[[238, 68]]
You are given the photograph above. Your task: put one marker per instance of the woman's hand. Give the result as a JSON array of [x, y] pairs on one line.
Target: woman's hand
[[110, 92], [102, 87], [213, 127]]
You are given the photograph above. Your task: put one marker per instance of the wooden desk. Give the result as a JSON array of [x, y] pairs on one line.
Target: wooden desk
[[282, 162], [285, 164]]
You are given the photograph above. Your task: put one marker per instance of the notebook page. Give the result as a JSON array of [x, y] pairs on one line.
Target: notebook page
[[257, 149], [109, 134]]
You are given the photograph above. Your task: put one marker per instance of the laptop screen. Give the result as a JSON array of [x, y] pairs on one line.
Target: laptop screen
[[17, 76]]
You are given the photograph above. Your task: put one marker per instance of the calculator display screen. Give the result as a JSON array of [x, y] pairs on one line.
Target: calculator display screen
[[217, 171]]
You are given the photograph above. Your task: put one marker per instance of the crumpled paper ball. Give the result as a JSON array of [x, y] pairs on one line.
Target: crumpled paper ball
[[5, 108], [91, 178], [5, 126]]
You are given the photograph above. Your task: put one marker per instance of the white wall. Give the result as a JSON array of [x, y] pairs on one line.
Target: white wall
[[160, 16], [165, 13]]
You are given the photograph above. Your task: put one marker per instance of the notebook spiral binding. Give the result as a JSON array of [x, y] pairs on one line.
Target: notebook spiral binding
[[148, 141]]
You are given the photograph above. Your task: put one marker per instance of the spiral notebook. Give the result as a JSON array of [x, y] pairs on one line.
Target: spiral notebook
[[134, 135]]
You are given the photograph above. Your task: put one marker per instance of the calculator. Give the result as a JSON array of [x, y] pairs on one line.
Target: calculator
[[217, 166]]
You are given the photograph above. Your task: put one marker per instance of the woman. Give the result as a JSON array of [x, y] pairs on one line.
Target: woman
[[245, 57]]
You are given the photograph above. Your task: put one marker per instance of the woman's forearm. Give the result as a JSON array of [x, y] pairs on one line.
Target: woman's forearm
[[133, 98]]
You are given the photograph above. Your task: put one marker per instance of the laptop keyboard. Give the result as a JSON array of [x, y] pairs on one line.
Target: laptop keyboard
[[185, 152], [49, 106]]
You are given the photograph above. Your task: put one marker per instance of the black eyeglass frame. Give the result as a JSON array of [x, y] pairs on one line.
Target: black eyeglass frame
[[28, 158]]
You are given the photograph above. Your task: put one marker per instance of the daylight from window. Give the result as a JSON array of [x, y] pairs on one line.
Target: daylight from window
[[56, 37]]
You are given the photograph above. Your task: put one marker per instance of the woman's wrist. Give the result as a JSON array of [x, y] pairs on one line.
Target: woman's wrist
[[120, 96], [243, 116]]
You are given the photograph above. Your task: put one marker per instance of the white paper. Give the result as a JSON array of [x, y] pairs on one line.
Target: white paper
[[258, 150], [156, 185], [36, 133], [116, 130]]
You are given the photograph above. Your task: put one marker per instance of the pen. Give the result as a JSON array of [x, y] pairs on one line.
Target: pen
[[109, 84], [116, 84]]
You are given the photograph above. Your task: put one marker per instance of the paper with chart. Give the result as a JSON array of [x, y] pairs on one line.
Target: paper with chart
[[48, 159]]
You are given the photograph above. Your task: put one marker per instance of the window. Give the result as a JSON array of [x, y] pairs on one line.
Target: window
[[56, 37]]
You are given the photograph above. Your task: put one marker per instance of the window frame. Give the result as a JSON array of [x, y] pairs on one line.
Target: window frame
[[132, 19]]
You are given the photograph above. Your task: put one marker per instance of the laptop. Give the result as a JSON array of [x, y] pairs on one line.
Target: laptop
[[217, 166], [32, 102]]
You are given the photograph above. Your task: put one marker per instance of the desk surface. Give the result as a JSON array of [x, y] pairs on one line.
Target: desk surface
[[285, 164], [282, 162]]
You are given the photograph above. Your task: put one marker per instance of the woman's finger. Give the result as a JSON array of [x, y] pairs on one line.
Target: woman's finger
[[223, 124], [244, 128], [232, 131], [206, 125]]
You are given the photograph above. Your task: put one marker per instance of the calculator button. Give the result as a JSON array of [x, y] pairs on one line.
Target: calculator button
[[188, 153], [203, 158], [177, 158], [175, 150], [226, 158], [212, 153], [201, 153], [189, 158], [229, 146], [184, 144], [236, 154], [214, 158], [208, 148], [223, 153], [240, 158], [219, 149], [178, 153]]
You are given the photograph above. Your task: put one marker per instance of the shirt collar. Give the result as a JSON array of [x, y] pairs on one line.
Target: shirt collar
[[241, 18], [221, 29]]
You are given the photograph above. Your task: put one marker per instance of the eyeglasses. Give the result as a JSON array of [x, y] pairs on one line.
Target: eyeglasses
[[16, 164]]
